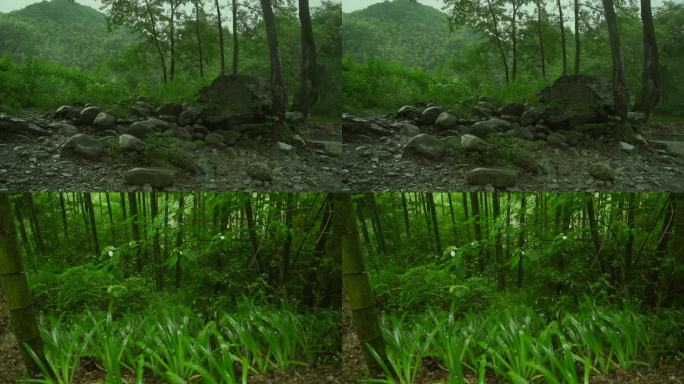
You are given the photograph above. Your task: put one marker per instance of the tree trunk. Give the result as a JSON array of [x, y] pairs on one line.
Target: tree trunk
[[521, 239], [235, 38], [562, 33], [16, 289], [65, 222], [675, 295], [153, 23], [577, 38], [356, 284], [308, 294], [220, 31], [179, 240], [93, 226], [135, 227], [619, 80], [514, 40], [497, 37], [498, 247], [433, 214], [406, 215], [308, 78], [477, 227], [199, 38], [377, 224], [650, 78], [277, 79], [172, 38], [251, 227], [111, 217], [156, 246], [453, 217], [364, 228], [541, 39]]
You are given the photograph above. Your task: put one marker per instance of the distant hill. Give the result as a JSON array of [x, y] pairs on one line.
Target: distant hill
[[62, 31], [403, 31]]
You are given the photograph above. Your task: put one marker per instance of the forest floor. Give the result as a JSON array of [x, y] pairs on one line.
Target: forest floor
[[30, 163], [379, 164], [10, 360]]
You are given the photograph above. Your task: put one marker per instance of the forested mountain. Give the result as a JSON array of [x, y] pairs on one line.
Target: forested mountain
[[403, 31], [63, 31]]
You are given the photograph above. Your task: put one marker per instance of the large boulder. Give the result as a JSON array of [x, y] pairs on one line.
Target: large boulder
[[426, 146], [140, 129], [170, 109], [429, 115], [446, 121], [84, 146], [104, 121], [156, 177], [498, 177], [576, 99], [88, 114], [234, 100]]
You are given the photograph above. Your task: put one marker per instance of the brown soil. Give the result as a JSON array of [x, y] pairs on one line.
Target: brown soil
[[11, 366]]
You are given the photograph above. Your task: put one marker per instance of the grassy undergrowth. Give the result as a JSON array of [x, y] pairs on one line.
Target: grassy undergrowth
[[179, 346], [519, 345]]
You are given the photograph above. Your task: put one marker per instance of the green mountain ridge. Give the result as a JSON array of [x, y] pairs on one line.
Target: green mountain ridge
[[402, 31], [59, 30]]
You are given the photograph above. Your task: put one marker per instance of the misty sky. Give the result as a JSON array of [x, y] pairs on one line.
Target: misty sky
[[13, 5]]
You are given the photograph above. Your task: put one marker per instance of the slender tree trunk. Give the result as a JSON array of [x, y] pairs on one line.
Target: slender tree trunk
[[364, 228], [308, 296], [135, 228], [453, 217], [157, 44], [308, 78], [93, 226], [675, 295], [406, 215], [356, 284], [156, 246], [33, 221], [122, 199], [433, 214], [661, 251], [514, 40], [199, 38], [251, 227], [22, 230], [650, 78], [287, 246], [220, 31], [498, 247], [235, 38], [477, 227], [521, 239], [577, 38], [172, 38], [111, 217], [16, 290], [497, 37], [619, 80], [179, 239], [277, 78], [541, 38], [65, 222], [562, 33], [377, 224]]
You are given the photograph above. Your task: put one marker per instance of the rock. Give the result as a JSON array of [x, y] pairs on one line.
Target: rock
[[104, 120], [675, 148], [83, 145], [170, 109], [141, 112], [295, 117], [189, 116], [511, 118], [484, 128], [332, 148], [498, 177], [446, 121], [483, 112], [429, 115], [408, 112], [156, 177], [626, 147], [142, 128], [595, 129], [130, 143], [215, 140], [284, 147], [260, 171], [572, 137], [541, 131], [168, 118], [472, 143], [66, 129], [11, 124], [357, 125], [531, 116], [602, 171], [67, 112], [425, 145], [523, 133], [144, 99], [450, 141], [234, 100], [407, 129], [513, 109], [556, 139], [88, 114], [180, 133], [231, 137], [576, 99]]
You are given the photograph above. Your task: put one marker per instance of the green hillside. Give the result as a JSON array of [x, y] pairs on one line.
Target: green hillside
[[62, 31], [402, 31]]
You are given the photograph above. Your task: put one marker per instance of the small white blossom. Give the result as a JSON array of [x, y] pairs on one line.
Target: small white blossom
[[453, 254], [110, 253], [223, 237]]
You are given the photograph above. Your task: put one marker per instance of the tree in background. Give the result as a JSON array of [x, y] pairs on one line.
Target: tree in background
[[16, 290], [619, 81], [649, 94], [277, 79], [308, 78]]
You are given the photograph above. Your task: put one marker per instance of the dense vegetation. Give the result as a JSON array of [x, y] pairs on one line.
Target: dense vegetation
[[212, 288], [61, 52], [523, 288], [410, 57]]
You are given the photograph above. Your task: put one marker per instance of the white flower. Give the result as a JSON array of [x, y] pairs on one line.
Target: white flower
[[565, 237], [223, 237], [181, 252], [110, 253], [453, 254]]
